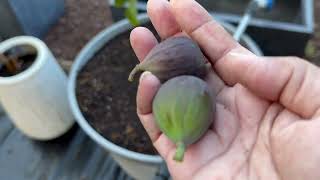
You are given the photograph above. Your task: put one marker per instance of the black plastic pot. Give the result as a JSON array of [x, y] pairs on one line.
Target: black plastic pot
[[284, 30]]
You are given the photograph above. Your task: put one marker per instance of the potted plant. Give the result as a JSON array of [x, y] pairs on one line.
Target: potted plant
[[33, 88], [103, 101]]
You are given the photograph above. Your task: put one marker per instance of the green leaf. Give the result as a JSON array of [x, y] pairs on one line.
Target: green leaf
[[131, 13], [120, 3]]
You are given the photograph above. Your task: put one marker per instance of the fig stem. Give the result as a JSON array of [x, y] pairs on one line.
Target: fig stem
[[133, 72], [181, 148]]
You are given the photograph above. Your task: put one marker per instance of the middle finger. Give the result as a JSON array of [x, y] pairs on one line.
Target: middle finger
[[162, 18]]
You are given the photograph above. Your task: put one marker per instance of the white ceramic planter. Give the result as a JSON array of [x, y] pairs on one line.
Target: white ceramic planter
[[140, 166], [36, 99]]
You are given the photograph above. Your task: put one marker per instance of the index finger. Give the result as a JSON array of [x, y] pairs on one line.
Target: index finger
[[142, 41], [148, 87]]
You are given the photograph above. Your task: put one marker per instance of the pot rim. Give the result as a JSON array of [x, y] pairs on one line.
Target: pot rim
[[35, 66], [85, 55]]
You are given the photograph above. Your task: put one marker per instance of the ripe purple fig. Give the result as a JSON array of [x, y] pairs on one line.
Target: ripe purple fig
[[173, 57]]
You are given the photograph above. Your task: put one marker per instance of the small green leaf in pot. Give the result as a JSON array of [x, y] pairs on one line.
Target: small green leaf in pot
[[119, 3], [131, 13]]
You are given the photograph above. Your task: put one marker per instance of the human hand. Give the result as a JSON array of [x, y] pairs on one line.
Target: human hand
[[267, 120]]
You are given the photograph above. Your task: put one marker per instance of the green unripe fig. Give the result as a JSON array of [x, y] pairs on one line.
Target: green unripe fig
[[183, 108], [173, 57]]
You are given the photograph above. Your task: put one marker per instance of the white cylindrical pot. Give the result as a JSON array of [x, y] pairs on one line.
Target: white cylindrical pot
[[138, 165], [36, 99]]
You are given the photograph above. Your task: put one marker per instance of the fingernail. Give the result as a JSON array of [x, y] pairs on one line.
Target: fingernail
[[144, 75]]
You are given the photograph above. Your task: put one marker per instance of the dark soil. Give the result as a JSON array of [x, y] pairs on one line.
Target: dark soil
[[20, 59], [82, 20], [108, 100]]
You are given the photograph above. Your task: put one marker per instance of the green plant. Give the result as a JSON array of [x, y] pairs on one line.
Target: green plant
[[131, 11]]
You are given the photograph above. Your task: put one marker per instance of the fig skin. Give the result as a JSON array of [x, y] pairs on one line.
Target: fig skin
[[183, 109], [173, 57]]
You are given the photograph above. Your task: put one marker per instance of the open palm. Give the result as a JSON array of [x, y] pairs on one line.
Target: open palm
[[267, 120]]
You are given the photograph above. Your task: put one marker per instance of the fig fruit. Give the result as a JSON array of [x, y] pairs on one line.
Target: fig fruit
[[173, 57], [183, 108]]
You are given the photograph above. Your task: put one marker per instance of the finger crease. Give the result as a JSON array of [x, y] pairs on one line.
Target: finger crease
[[281, 92], [199, 27]]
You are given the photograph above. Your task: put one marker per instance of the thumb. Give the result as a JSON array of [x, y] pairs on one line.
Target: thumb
[[291, 81]]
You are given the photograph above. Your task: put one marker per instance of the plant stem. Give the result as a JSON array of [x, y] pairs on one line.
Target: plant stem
[[20, 51], [3, 59], [181, 148], [10, 63]]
